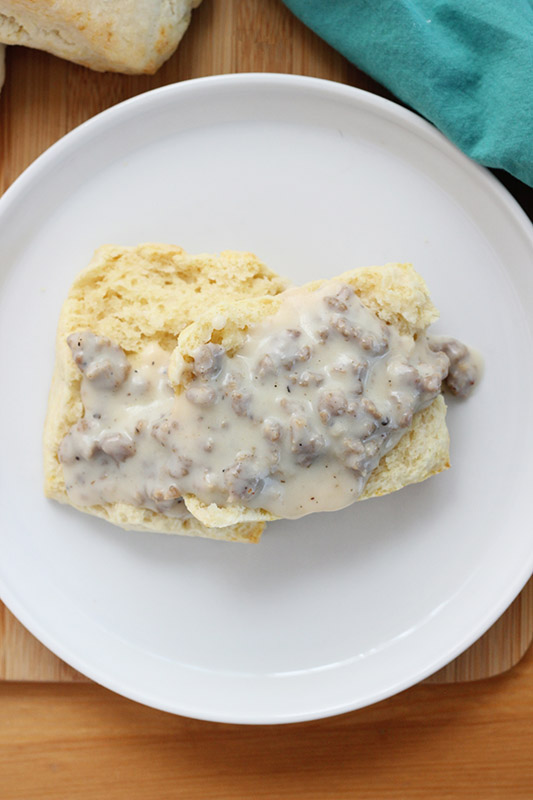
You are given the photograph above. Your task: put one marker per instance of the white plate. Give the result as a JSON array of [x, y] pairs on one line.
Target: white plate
[[332, 612]]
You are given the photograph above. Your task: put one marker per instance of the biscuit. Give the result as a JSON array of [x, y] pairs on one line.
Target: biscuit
[[130, 36]]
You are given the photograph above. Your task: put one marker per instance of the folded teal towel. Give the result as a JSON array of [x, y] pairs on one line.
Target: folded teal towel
[[466, 65]]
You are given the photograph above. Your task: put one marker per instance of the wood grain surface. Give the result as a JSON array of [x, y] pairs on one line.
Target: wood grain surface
[[74, 740], [460, 742]]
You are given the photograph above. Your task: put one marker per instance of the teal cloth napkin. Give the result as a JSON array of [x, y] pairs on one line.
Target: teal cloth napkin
[[465, 65]]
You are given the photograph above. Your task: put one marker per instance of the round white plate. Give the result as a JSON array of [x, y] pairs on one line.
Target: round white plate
[[335, 611]]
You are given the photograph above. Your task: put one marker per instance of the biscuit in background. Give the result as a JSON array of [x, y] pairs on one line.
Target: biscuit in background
[[130, 36]]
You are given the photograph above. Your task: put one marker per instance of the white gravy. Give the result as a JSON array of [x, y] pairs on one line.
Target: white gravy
[[294, 422]]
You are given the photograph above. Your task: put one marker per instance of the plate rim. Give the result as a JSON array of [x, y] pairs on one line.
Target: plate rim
[[414, 124]]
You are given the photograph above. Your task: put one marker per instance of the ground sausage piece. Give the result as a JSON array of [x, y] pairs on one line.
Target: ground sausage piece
[[306, 444], [354, 455], [349, 332], [240, 403], [242, 479], [371, 448], [118, 446], [369, 407], [162, 430], [201, 395], [404, 415], [78, 444], [344, 327], [303, 354], [308, 378], [431, 375], [336, 303], [431, 383], [463, 372], [272, 429], [462, 378], [161, 495], [208, 360], [266, 366], [454, 349], [340, 301], [398, 368], [103, 363], [331, 404]]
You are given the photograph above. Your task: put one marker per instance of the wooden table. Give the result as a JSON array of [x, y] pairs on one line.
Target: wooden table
[[75, 740]]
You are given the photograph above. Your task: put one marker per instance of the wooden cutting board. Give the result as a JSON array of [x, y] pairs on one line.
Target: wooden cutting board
[[45, 97]]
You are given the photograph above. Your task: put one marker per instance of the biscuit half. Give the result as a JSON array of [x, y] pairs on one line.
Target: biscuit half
[[136, 296], [397, 295]]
